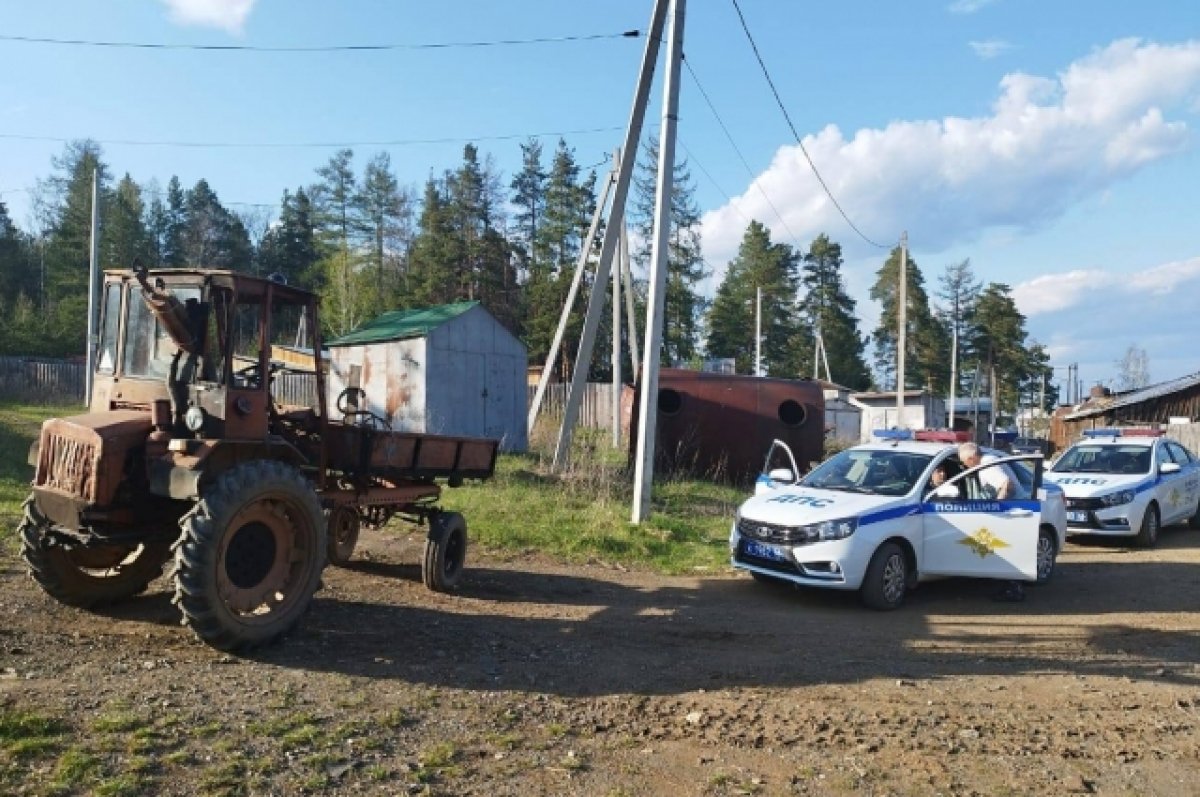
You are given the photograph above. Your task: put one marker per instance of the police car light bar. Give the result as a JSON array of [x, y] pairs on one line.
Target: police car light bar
[[1123, 432], [893, 434]]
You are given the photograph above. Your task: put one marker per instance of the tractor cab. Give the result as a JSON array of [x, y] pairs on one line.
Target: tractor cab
[[203, 342]]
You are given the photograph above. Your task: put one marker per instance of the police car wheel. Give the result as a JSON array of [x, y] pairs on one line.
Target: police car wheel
[[1047, 554], [1147, 536], [886, 581]]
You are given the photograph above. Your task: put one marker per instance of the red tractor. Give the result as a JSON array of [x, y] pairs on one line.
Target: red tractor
[[185, 457]]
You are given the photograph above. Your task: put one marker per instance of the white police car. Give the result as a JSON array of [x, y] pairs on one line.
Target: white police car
[[871, 519], [1128, 483]]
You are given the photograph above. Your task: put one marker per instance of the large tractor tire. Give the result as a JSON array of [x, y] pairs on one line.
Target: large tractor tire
[[445, 551], [250, 556], [86, 577]]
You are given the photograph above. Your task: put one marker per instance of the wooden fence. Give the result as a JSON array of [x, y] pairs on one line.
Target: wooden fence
[[26, 379]]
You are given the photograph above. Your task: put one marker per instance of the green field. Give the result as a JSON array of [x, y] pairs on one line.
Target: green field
[[578, 515]]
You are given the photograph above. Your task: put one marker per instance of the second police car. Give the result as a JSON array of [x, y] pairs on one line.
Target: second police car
[[873, 519], [1128, 482]]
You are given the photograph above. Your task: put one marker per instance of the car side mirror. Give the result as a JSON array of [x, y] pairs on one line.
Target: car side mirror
[[782, 475], [1169, 467]]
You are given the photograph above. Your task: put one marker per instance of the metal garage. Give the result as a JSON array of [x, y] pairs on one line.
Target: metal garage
[[451, 369]]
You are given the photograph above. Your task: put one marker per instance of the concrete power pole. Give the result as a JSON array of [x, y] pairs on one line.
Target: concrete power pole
[[902, 333], [647, 409], [758, 332], [93, 306], [595, 307]]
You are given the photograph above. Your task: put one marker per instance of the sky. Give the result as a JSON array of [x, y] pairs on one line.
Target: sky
[[1051, 143]]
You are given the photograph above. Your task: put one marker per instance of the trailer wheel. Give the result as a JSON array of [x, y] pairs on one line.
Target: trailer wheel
[[344, 523], [91, 576], [445, 551], [250, 556]]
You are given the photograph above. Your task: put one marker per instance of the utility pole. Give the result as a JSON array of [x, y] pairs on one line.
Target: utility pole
[[616, 341], [630, 315], [93, 287], [565, 316], [647, 409], [758, 331], [953, 367], [902, 335], [616, 219]]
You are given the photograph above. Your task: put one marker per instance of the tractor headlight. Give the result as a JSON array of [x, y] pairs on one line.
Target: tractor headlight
[[1118, 498], [193, 419]]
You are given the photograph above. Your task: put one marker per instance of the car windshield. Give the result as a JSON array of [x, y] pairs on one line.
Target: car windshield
[[1104, 459], [870, 471]]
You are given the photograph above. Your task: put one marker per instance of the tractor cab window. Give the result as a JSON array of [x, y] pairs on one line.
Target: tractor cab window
[[247, 343], [106, 357], [149, 350], [217, 335]]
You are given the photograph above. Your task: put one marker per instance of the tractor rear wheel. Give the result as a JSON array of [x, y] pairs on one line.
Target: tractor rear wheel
[[250, 556], [445, 551], [90, 576]]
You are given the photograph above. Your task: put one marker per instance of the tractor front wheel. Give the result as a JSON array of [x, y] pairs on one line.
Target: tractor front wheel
[[344, 523], [86, 576], [250, 556]]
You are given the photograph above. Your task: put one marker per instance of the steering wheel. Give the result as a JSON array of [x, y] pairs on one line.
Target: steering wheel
[[350, 402], [250, 376], [350, 399]]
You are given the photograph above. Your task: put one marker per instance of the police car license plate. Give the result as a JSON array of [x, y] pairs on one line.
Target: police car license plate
[[1075, 516], [762, 551]]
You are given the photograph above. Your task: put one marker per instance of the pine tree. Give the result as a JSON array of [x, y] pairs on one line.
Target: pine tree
[[126, 239], [175, 250], [212, 237], [926, 364], [827, 308], [529, 199], [683, 307], [997, 343], [290, 248], [385, 213], [436, 253], [569, 206], [773, 267], [958, 290]]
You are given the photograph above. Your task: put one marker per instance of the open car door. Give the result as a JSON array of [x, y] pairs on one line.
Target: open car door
[[967, 533]]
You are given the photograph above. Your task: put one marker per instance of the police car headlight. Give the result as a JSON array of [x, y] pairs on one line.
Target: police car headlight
[[1116, 499], [831, 529]]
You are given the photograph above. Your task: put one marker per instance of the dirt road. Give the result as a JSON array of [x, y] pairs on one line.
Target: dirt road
[[538, 678]]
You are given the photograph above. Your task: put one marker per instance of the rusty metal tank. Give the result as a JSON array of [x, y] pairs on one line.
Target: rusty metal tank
[[720, 425]]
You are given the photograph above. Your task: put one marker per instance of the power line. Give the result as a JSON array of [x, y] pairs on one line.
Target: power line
[[152, 192], [786, 116], [628, 34], [311, 144], [754, 181], [692, 159]]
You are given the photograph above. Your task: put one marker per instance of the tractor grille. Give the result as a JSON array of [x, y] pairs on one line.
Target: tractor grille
[[68, 466]]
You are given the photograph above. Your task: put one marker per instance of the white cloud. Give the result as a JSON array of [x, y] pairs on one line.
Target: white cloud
[[990, 48], [228, 15], [967, 6], [1093, 289], [1047, 144]]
